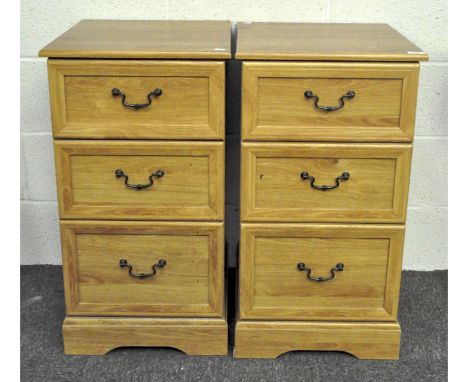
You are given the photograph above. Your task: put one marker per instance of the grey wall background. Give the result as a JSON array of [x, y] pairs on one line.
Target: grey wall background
[[423, 22]]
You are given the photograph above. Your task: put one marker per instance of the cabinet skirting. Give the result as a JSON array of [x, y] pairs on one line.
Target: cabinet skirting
[[270, 339], [98, 335]]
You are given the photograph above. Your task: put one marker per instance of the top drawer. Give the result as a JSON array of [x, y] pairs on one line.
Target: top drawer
[[275, 106], [188, 105]]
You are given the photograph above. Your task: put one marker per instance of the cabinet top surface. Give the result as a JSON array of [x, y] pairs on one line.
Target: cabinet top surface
[[316, 42], [143, 39]]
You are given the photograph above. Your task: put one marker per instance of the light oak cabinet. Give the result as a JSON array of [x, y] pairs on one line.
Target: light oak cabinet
[[328, 116], [138, 123]]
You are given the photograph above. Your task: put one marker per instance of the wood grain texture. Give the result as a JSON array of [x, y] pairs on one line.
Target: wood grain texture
[[271, 286], [192, 187], [272, 189], [98, 336], [274, 107], [143, 39], [191, 105], [324, 42], [190, 285], [270, 339]]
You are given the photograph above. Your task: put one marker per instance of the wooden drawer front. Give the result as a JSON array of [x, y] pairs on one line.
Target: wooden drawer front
[[191, 105], [192, 187], [274, 106], [190, 283], [271, 286], [376, 191]]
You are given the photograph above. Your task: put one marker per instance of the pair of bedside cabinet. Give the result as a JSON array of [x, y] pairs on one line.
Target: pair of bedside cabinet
[[138, 114]]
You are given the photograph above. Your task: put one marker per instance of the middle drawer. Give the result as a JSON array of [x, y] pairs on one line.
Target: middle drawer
[[140, 180], [320, 182]]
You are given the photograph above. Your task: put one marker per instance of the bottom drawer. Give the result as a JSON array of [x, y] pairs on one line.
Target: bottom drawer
[[143, 268], [359, 267]]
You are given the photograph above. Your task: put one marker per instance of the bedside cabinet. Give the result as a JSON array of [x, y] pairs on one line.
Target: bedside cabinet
[[328, 116], [138, 125]]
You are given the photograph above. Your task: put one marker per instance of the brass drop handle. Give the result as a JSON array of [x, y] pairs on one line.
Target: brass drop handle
[[337, 268], [155, 93], [125, 264], [157, 174], [309, 94], [305, 176]]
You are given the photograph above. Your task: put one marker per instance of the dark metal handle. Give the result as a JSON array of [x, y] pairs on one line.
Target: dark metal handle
[[350, 94], [337, 268], [124, 263], [305, 175], [155, 93], [158, 174]]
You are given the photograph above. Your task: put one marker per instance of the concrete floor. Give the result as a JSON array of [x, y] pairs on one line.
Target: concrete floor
[[423, 317]]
